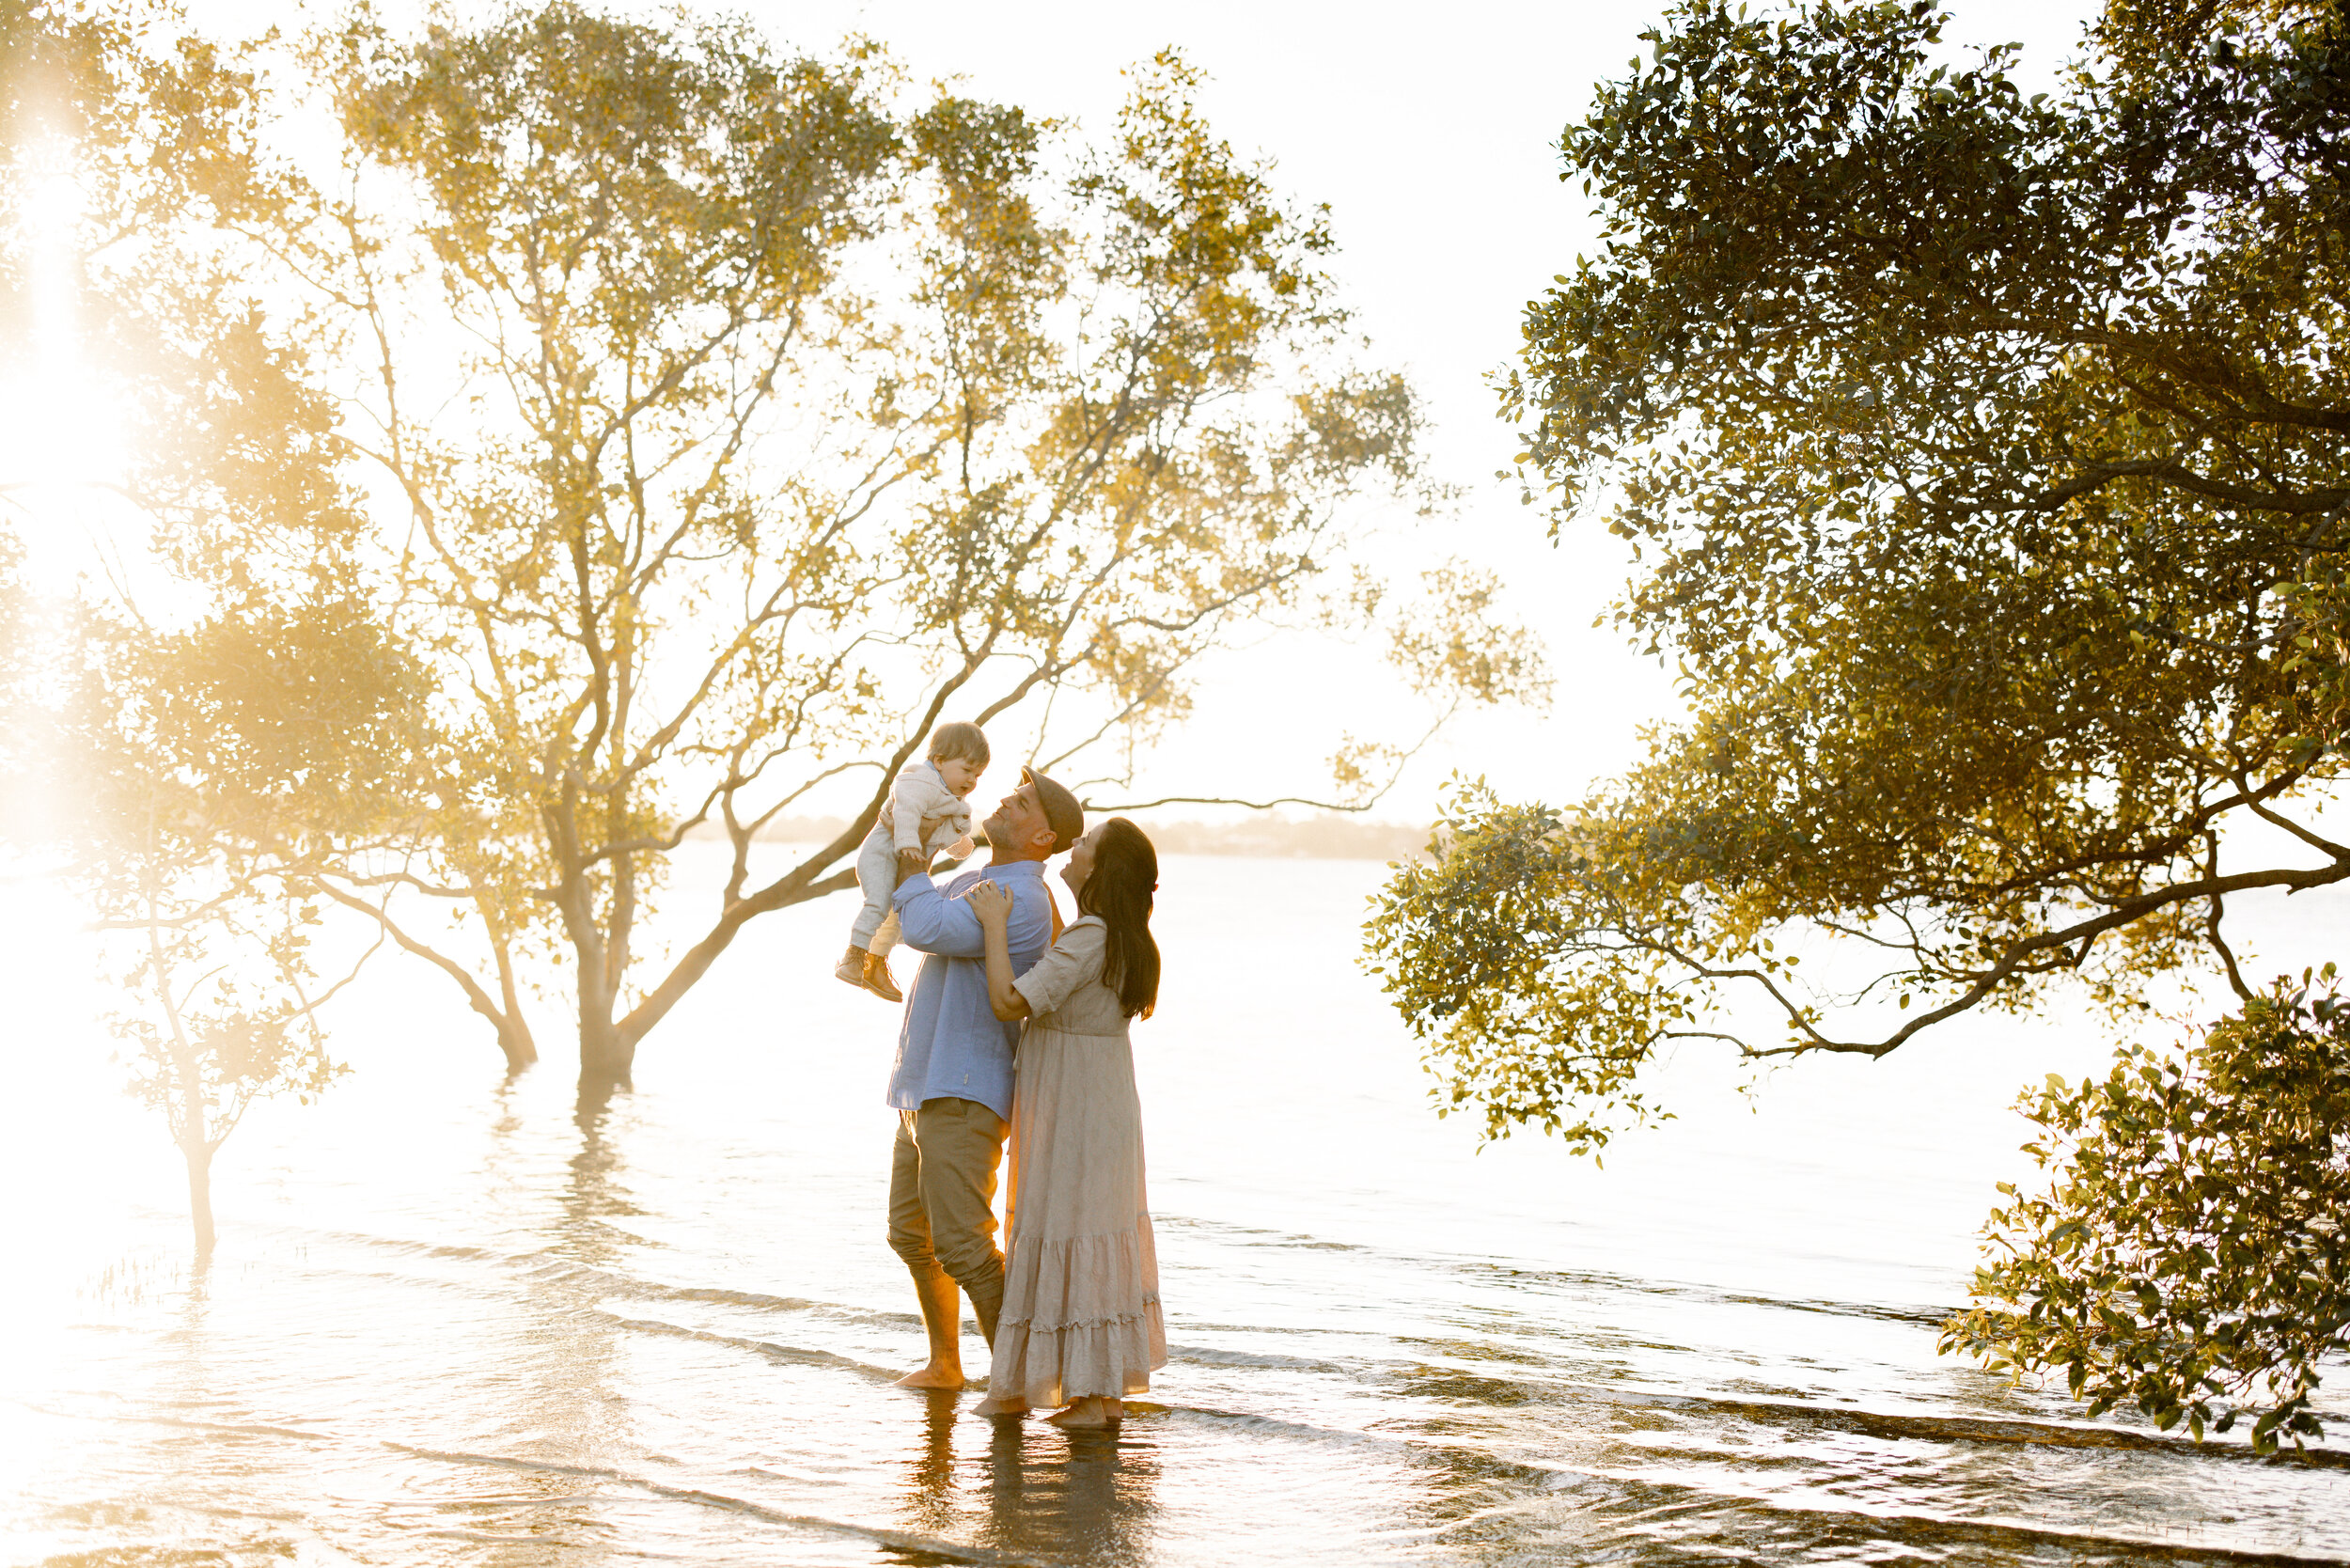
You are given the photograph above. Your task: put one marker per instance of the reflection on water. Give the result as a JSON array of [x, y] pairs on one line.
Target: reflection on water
[[456, 1320]]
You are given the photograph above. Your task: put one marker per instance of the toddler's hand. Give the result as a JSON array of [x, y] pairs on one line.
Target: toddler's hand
[[961, 849]]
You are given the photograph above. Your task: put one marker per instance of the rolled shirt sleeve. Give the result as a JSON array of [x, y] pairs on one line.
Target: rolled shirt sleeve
[[932, 922], [929, 921]]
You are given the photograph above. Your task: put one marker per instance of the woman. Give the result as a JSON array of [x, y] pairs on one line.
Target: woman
[[1080, 1326]]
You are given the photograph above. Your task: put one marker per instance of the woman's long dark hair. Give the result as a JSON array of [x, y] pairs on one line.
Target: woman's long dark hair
[[1126, 875]]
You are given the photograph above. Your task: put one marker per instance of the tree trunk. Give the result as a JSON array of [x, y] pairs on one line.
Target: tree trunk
[[514, 1039], [514, 1036], [607, 1055], [511, 1029], [199, 1157]]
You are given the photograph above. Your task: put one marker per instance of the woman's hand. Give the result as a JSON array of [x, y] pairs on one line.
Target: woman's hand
[[992, 903]]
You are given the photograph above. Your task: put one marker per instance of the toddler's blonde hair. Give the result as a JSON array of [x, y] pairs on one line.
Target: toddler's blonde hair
[[959, 741]]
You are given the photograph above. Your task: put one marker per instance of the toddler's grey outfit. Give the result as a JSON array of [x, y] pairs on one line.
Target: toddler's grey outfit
[[919, 795]]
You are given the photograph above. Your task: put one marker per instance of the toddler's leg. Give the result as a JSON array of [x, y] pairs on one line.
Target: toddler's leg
[[877, 873], [868, 922], [877, 968], [877, 878]]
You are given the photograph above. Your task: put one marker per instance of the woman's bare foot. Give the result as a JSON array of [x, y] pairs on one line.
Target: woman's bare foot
[[933, 1376], [1000, 1404], [1086, 1414]]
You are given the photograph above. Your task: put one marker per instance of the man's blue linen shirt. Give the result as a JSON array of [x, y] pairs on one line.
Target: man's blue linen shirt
[[952, 1044]]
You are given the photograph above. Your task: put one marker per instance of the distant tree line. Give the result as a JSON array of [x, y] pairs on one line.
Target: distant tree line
[[1325, 835]]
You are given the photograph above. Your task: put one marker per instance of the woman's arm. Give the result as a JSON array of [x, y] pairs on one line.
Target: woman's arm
[[993, 905]]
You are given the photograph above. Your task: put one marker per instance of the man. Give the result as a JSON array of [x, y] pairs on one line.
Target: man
[[952, 1084]]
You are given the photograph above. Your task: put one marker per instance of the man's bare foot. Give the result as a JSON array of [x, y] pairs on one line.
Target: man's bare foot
[[995, 1404], [877, 978], [932, 1376], [1086, 1414]]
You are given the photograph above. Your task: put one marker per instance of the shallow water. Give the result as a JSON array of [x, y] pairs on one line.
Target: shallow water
[[451, 1322]]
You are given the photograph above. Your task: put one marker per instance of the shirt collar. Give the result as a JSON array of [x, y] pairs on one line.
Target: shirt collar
[[1017, 868]]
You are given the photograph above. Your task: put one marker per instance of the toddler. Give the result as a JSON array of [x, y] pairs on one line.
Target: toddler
[[927, 810]]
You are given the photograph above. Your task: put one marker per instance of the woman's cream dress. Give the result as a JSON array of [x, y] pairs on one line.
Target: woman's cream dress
[[1081, 1276]]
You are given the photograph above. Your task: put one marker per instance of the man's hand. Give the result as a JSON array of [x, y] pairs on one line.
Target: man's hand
[[913, 862]]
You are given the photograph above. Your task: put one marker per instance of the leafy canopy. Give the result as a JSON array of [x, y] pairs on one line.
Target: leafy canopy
[[167, 754], [602, 431], [2187, 1254], [1981, 457]]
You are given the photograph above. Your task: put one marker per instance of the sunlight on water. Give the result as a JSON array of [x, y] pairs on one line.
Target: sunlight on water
[[453, 1322]]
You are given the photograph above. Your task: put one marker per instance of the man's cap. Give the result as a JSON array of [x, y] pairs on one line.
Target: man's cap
[[1062, 814]]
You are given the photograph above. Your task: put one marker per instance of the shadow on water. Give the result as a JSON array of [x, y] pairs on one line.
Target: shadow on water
[[593, 1198], [931, 1470], [189, 1385], [563, 1400], [1070, 1497], [596, 1095], [1034, 1493]]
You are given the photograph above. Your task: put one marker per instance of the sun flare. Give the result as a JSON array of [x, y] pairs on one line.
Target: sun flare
[[60, 430]]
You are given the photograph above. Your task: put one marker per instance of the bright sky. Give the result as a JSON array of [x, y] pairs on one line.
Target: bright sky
[[1430, 132]]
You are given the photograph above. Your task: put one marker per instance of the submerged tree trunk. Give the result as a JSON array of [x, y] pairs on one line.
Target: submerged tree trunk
[[198, 1154], [514, 1039], [606, 1055], [607, 1048], [193, 1118], [606, 1051], [504, 1012]]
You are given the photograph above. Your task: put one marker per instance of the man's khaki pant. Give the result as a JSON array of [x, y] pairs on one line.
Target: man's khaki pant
[[942, 1197]]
